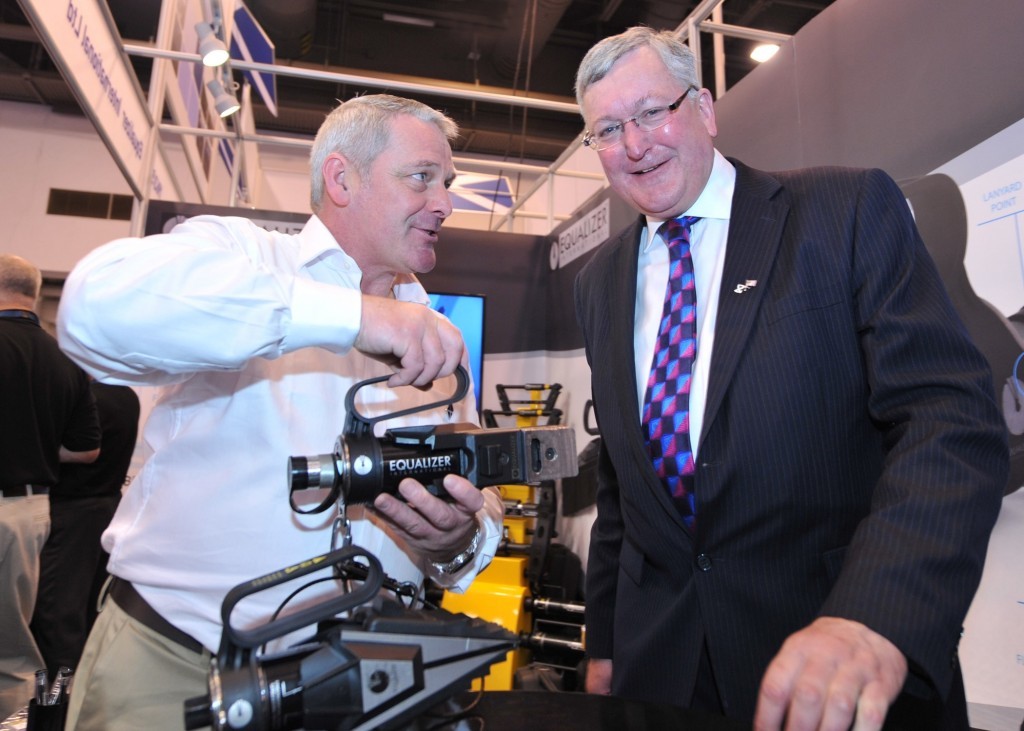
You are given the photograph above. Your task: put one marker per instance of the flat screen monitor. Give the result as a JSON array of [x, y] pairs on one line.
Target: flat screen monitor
[[466, 311]]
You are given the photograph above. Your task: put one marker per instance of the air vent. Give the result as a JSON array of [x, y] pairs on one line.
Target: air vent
[[89, 205]]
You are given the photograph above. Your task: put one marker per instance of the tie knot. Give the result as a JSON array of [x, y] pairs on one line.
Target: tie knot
[[677, 230]]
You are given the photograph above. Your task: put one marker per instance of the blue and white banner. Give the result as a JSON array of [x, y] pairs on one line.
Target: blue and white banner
[[481, 193], [249, 42]]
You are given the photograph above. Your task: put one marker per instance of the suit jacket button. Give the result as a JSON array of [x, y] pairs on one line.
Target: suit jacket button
[[704, 562]]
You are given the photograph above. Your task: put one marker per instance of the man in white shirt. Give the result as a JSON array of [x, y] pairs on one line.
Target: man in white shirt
[[256, 338]]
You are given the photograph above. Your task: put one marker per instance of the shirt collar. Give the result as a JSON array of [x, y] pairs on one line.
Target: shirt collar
[[715, 201], [19, 314], [317, 243]]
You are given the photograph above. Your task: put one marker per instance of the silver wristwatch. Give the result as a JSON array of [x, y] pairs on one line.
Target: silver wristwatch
[[460, 561]]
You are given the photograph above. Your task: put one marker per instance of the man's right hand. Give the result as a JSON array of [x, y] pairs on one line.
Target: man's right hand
[[419, 344], [599, 677]]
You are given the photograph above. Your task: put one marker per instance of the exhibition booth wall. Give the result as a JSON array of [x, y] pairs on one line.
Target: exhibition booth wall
[[923, 89]]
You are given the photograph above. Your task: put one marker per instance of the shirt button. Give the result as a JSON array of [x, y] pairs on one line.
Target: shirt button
[[704, 562]]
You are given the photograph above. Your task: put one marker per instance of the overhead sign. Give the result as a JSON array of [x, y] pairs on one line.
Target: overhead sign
[[250, 43], [83, 42]]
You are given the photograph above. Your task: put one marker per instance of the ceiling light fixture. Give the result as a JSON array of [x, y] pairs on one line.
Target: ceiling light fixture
[[764, 51], [408, 20], [211, 48], [224, 101]]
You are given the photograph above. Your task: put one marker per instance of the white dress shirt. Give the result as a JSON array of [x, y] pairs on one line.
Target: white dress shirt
[[250, 334], [707, 249]]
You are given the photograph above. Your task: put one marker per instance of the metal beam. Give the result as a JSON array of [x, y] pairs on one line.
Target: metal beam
[[430, 87]]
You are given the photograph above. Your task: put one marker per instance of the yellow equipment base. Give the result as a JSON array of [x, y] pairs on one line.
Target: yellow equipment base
[[498, 595]]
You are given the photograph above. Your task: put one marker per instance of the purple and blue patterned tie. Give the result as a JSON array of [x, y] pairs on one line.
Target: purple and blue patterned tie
[[666, 410]]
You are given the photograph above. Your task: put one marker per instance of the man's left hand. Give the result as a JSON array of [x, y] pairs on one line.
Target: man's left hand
[[834, 674], [435, 528]]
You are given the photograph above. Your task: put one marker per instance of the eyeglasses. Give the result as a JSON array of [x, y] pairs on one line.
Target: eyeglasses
[[649, 120]]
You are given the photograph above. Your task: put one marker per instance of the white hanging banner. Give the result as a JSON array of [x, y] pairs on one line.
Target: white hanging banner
[[83, 42]]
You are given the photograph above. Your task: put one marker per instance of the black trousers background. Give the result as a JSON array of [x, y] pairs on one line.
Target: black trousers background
[[72, 569]]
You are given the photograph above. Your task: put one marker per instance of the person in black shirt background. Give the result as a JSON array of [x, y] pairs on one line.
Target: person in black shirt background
[[47, 416], [73, 564]]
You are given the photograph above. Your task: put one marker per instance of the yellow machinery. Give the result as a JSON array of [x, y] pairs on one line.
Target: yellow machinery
[[498, 595], [508, 591]]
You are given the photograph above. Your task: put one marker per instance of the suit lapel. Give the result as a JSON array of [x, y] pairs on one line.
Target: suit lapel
[[621, 287], [622, 294], [759, 210]]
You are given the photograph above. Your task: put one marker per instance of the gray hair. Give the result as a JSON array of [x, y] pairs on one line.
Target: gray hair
[[19, 277], [360, 129], [676, 55]]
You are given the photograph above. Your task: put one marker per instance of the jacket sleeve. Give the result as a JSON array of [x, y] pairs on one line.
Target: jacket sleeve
[[915, 561], [606, 534]]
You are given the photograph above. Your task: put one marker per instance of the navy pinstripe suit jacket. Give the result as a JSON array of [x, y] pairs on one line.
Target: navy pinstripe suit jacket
[[851, 463]]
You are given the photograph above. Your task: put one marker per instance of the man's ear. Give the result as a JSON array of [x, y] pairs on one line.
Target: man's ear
[[706, 108], [334, 179]]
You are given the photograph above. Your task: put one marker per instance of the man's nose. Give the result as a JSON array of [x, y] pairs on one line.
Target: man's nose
[[442, 204], [635, 138]]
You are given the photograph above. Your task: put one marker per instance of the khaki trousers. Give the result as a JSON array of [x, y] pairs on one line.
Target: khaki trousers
[[24, 525], [132, 678]]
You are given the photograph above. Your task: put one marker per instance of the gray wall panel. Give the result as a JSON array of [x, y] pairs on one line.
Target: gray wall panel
[[904, 85]]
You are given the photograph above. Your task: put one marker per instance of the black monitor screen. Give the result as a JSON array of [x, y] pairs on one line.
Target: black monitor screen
[[466, 311]]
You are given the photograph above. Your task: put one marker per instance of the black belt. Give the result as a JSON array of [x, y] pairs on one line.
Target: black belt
[[25, 490], [137, 608]]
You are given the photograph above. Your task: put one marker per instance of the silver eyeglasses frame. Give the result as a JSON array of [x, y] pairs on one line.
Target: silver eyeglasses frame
[[648, 119]]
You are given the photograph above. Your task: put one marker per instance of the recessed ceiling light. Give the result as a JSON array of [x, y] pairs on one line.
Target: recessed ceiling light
[[764, 51]]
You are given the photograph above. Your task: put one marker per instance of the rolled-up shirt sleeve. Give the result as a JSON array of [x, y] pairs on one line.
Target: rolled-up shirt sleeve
[[210, 295]]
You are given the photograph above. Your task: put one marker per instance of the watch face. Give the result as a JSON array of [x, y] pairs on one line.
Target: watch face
[[362, 465]]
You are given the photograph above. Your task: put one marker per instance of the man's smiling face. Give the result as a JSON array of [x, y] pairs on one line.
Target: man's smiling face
[[659, 172]]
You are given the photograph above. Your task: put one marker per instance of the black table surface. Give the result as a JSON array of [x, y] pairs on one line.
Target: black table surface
[[526, 710]]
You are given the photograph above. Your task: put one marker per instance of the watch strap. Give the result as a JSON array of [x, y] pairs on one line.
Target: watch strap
[[460, 561]]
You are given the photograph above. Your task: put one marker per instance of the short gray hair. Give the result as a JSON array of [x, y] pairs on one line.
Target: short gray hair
[[674, 53], [360, 129], [19, 277]]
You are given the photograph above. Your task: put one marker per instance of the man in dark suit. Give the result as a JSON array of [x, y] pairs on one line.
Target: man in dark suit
[[846, 457]]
